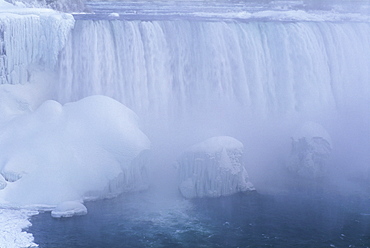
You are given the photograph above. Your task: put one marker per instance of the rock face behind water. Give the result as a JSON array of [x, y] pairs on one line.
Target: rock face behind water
[[311, 148], [213, 168]]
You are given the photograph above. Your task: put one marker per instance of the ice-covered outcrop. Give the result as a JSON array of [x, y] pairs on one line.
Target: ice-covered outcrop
[[69, 209], [92, 148], [213, 168], [30, 40], [311, 148]]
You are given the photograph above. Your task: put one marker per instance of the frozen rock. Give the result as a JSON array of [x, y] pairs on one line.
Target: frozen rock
[[213, 168], [69, 209], [311, 148]]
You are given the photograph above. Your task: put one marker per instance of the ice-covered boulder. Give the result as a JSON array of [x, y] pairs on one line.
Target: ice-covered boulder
[[92, 148], [69, 209], [213, 168], [311, 148]]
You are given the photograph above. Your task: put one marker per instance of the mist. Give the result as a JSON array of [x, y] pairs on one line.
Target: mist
[[258, 82], [121, 95]]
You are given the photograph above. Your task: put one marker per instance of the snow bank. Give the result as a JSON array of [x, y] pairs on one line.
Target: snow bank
[[12, 222], [213, 168], [311, 148], [69, 209], [30, 40], [92, 148]]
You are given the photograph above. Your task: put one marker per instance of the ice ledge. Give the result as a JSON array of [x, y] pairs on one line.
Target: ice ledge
[[69, 209]]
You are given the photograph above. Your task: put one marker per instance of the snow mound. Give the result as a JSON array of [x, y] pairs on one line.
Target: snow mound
[[213, 168], [88, 149], [69, 209], [311, 148]]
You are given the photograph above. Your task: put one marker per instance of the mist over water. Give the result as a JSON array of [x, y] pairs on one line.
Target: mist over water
[[258, 81], [256, 72]]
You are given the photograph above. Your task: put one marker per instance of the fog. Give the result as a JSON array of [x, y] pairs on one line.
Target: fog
[[267, 143], [258, 81]]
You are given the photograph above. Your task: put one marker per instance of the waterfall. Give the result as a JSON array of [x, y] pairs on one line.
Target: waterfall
[[178, 66]]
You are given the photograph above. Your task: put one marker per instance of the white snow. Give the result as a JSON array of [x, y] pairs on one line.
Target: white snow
[[86, 149], [114, 15], [69, 209], [17, 99], [213, 168], [12, 222], [4, 4]]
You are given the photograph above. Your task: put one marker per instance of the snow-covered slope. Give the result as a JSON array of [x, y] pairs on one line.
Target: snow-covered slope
[[213, 168], [88, 149]]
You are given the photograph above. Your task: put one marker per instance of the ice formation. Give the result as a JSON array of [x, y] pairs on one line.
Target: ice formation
[[92, 148], [311, 148], [69, 209], [12, 221], [213, 168], [30, 40]]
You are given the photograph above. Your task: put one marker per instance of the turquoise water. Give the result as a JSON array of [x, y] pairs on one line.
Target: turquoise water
[[294, 219]]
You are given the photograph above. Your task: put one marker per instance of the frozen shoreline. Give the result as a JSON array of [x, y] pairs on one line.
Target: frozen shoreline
[[12, 225]]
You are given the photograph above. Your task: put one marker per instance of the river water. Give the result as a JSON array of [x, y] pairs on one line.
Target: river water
[[310, 218]]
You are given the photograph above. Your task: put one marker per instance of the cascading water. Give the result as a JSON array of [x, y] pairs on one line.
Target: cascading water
[[179, 66]]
